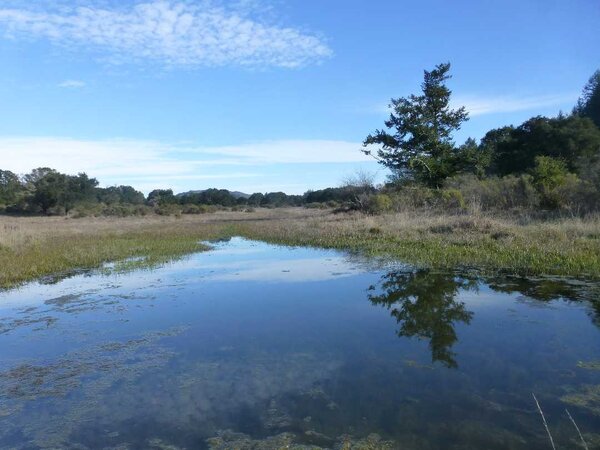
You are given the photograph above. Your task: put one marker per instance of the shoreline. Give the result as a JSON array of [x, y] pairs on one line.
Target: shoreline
[[35, 247]]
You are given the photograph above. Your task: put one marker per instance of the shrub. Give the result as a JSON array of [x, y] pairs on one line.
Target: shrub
[[506, 193], [378, 204], [577, 196], [124, 210], [452, 199], [410, 197], [190, 209], [549, 174], [168, 210], [316, 205]]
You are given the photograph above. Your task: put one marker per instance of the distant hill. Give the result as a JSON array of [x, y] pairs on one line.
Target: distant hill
[[235, 194]]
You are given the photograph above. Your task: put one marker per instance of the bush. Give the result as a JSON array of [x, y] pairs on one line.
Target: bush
[[550, 174], [506, 193], [316, 205], [452, 199], [378, 204], [410, 197], [190, 209], [124, 210], [168, 210], [577, 196], [198, 209]]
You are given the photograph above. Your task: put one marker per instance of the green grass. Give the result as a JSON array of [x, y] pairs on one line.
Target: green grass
[[483, 255], [38, 247]]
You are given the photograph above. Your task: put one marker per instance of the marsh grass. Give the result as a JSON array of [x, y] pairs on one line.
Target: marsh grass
[[31, 248]]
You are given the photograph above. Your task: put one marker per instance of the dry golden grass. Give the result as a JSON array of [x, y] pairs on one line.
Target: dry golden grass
[[34, 247]]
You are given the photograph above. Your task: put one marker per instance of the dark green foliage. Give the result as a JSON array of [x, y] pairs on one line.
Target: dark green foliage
[[11, 189], [569, 138], [120, 195], [256, 199], [341, 195], [161, 197], [55, 192], [420, 145], [474, 158], [223, 197], [48, 188], [588, 104], [278, 199], [78, 189], [209, 197], [45, 190]]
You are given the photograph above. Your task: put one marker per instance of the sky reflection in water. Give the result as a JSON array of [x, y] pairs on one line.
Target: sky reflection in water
[[257, 346]]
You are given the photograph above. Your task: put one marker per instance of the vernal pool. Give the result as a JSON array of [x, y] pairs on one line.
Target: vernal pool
[[254, 346]]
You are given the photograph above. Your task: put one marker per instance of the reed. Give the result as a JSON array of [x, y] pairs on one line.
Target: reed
[[33, 247]]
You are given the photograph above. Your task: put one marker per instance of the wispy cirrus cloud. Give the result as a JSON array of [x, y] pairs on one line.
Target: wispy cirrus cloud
[[173, 33], [149, 164], [72, 84], [481, 105]]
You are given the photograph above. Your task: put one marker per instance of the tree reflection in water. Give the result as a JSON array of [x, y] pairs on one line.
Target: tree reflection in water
[[424, 305]]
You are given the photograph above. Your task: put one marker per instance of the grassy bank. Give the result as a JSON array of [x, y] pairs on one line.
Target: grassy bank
[[34, 247]]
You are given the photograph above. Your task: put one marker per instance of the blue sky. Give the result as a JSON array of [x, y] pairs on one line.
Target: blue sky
[[264, 95]]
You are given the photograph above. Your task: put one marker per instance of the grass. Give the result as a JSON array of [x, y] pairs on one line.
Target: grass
[[31, 248]]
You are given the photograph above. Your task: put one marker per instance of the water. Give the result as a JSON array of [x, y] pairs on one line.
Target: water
[[253, 346]]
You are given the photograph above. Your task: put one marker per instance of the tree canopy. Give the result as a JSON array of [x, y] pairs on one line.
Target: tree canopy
[[588, 104], [514, 150], [418, 140]]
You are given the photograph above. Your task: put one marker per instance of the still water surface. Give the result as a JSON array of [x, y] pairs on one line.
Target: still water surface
[[254, 346]]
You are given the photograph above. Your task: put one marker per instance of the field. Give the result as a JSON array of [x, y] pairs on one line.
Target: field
[[34, 247]]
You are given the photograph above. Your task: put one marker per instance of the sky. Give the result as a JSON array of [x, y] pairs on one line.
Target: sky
[[266, 95]]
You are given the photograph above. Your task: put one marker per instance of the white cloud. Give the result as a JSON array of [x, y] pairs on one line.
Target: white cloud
[[151, 164], [478, 106], [72, 84], [174, 33], [286, 271], [293, 151], [482, 105]]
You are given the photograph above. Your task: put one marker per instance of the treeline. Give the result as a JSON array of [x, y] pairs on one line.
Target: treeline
[[47, 191], [544, 164]]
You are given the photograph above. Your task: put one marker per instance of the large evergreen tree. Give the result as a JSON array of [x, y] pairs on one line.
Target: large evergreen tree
[[420, 143]]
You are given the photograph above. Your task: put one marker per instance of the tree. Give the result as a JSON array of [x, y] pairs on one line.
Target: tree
[[49, 186], [120, 194], [588, 104], [78, 189], [11, 188], [161, 197], [571, 139], [474, 158], [130, 195], [420, 145], [53, 189], [256, 199]]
